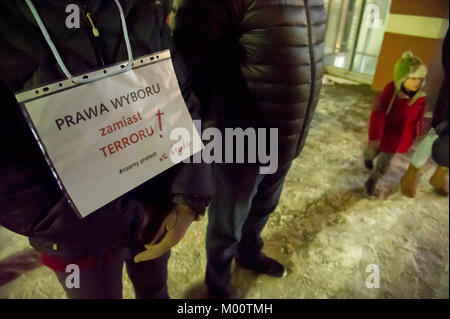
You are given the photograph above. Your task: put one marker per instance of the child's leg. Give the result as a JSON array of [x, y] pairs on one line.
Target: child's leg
[[383, 163], [381, 167]]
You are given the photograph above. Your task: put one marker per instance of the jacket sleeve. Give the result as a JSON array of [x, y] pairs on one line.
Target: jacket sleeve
[[193, 182], [378, 116], [25, 196]]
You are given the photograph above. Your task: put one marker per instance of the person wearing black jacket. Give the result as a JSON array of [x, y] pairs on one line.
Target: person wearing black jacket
[[435, 144], [32, 204], [254, 64]]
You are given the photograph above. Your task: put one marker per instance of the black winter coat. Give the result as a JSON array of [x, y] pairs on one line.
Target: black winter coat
[[31, 203], [440, 116], [256, 63]]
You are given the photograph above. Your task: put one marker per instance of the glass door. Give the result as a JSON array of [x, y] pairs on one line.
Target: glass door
[[343, 22], [354, 36]]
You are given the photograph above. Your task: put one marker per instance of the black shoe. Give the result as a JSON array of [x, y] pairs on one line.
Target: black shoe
[[368, 164], [264, 265]]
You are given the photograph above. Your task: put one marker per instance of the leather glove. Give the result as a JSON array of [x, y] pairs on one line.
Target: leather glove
[[169, 234]]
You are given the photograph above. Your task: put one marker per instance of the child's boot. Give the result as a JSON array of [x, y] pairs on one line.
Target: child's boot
[[409, 181], [439, 180]]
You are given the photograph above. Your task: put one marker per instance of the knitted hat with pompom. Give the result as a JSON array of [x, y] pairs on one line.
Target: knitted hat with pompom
[[409, 66]]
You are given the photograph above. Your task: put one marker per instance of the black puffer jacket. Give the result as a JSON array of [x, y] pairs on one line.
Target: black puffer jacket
[[441, 108], [440, 116], [256, 63], [30, 201]]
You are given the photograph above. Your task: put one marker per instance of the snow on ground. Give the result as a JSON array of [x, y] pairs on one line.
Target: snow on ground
[[325, 229]]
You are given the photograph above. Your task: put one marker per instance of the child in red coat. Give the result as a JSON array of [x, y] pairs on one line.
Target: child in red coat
[[397, 117]]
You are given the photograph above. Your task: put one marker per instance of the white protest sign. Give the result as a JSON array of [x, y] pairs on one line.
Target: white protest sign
[[107, 137]]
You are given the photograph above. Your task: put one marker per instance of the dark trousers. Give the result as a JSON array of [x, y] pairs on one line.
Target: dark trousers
[[237, 215], [104, 281]]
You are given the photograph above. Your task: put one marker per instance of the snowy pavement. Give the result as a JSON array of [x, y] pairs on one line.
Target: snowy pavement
[[325, 229]]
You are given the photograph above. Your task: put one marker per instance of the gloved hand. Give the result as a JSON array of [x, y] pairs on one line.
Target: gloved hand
[[370, 153], [170, 233]]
